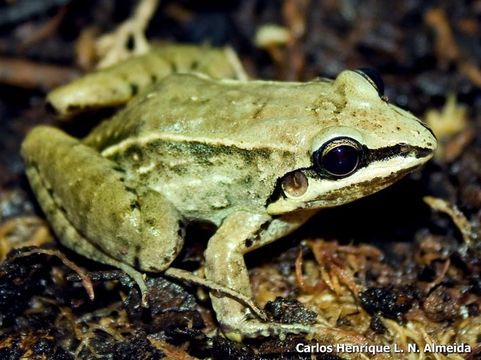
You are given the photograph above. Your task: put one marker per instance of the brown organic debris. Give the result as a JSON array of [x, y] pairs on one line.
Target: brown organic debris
[[23, 232], [457, 216], [32, 75]]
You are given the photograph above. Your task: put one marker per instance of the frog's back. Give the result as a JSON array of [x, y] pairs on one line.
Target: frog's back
[[211, 146], [188, 107]]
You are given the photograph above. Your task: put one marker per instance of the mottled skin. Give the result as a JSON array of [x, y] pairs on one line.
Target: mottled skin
[[190, 147]]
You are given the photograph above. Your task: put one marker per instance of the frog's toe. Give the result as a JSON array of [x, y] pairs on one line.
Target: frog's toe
[[254, 329]]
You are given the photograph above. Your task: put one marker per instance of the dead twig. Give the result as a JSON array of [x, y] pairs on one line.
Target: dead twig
[[113, 47], [86, 281], [457, 216], [31, 75], [447, 50]]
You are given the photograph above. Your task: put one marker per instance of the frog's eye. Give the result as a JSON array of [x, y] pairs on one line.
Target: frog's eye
[[338, 157], [374, 78]]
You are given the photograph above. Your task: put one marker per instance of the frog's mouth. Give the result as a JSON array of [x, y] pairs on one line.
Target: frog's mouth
[[327, 192], [356, 191]]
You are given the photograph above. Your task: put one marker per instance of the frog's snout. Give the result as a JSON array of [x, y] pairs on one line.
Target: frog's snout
[[430, 144]]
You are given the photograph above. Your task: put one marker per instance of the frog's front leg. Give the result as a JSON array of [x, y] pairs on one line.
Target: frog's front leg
[[240, 233], [94, 210]]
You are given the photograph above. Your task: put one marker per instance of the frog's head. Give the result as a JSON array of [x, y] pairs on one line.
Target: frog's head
[[366, 145]]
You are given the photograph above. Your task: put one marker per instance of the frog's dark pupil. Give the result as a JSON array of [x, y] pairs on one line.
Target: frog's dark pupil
[[341, 160]]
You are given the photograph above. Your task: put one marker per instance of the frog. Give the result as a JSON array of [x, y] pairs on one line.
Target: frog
[[255, 159]]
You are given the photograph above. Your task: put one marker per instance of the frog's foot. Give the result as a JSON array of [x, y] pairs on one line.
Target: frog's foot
[[232, 299], [239, 320], [187, 276], [253, 329], [240, 233]]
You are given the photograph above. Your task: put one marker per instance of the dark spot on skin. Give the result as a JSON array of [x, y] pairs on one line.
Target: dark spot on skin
[[258, 235], [117, 168], [49, 190], [259, 109], [130, 44], [398, 128], [134, 152], [153, 78], [181, 229], [134, 205], [195, 64], [136, 257], [134, 89], [131, 190], [277, 193], [264, 226]]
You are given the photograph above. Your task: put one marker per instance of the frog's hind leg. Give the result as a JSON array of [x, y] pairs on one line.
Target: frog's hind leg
[[240, 233], [64, 230], [93, 211]]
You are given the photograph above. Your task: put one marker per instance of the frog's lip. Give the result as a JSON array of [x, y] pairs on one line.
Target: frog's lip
[[352, 191], [371, 186]]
